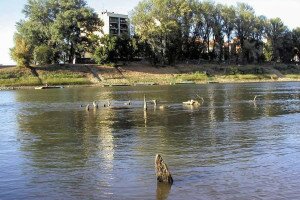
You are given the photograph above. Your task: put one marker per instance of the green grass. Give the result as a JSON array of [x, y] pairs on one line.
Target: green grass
[[17, 77], [197, 77], [24, 81], [64, 78], [292, 76], [247, 77], [149, 79]]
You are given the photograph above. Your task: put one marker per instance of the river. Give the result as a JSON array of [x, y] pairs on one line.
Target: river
[[230, 147]]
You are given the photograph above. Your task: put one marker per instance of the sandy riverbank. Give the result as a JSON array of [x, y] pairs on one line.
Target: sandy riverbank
[[139, 73]]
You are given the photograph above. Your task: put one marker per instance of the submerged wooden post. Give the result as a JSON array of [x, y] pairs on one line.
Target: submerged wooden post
[[95, 105], [145, 103], [154, 102], [162, 172]]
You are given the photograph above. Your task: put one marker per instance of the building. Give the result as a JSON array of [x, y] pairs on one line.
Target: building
[[115, 24]]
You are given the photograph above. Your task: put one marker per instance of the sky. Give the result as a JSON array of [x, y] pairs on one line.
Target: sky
[[11, 12]]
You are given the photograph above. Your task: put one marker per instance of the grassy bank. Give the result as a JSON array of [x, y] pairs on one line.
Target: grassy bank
[[139, 73], [15, 77], [63, 75]]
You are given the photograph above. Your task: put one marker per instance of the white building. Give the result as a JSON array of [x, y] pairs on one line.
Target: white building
[[115, 24]]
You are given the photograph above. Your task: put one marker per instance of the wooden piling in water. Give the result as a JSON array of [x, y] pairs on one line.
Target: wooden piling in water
[[162, 172], [145, 103], [87, 108], [95, 105]]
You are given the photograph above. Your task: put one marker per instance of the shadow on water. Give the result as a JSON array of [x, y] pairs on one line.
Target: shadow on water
[[162, 190]]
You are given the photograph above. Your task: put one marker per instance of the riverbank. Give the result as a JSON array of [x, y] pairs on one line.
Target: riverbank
[[142, 73]]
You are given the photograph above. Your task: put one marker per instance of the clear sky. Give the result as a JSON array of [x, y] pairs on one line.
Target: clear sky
[[11, 12]]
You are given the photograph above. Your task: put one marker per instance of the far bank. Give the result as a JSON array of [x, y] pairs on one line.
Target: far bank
[[142, 73]]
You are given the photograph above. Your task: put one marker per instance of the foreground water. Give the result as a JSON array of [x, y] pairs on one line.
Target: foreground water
[[228, 148]]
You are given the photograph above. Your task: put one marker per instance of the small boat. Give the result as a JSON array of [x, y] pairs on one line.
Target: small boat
[[48, 87], [185, 82], [212, 82], [145, 83]]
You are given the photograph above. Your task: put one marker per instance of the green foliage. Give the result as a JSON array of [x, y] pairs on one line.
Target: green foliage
[[22, 52], [232, 70], [42, 54], [107, 51], [161, 30], [113, 49], [275, 32], [65, 27], [193, 29]]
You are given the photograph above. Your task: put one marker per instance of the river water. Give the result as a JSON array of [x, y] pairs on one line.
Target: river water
[[228, 148]]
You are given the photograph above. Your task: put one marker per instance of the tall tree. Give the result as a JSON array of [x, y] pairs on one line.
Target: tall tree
[[66, 26], [275, 32], [244, 26], [161, 30], [228, 14]]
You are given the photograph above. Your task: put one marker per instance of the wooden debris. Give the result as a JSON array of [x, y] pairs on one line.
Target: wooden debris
[[154, 102], [162, 172], [145, 103], [128, 103], [95, 105], [191, 103]]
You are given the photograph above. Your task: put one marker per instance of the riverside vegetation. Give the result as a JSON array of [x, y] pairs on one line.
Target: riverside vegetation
[[143, 73], [204, 33]]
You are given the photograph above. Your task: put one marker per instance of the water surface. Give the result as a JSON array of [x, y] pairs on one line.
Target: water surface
[[228, 148]]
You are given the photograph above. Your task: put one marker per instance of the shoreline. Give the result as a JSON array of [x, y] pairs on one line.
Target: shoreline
[[143, 74], [11, 88]]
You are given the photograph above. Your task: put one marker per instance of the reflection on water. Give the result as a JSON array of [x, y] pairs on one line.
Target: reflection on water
[[162, 191], [231, 147]]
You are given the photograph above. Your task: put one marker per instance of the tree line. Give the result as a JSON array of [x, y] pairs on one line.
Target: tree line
[[190, 29], [166, 32]]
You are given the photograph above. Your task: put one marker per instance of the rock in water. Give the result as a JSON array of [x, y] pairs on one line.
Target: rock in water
[[162, 172]]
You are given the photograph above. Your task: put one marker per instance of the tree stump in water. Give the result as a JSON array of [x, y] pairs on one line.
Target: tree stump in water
[[162, 171]]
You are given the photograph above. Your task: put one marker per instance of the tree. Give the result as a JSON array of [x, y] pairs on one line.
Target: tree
[[275, 32], [22, 52], [161, 30], [296, 42], [65, 26], [107, 51], [244, 26], [42, 54], [73, 26], [193, 29]]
